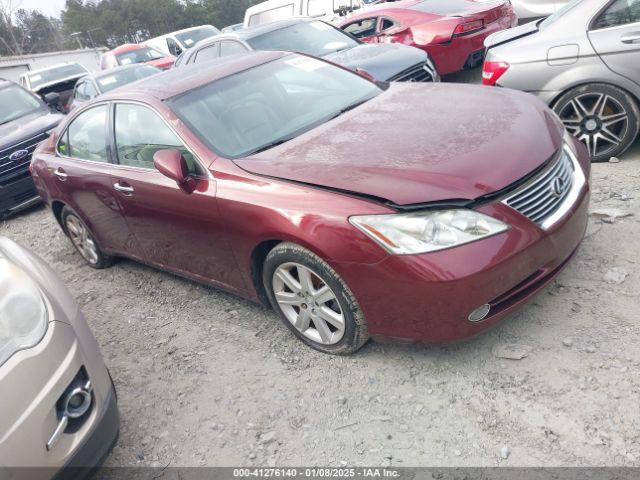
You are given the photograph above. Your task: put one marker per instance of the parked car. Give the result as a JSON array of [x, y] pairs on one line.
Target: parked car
[[452, 32], [233, 28], [583, 61], [534, 9], [25, 121], [317, 38], [58, 79], [58, 401], [131, 53], [96, 84], [174, 43], [287, 179], [274, 10]]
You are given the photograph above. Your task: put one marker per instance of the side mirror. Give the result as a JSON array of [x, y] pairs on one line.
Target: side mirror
[[172, 164], [53, 100]]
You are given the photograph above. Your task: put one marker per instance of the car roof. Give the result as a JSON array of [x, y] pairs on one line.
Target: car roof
[[182, 31], [255, 30], [128, 47], [110, 71], [5, 83], [176, 81]]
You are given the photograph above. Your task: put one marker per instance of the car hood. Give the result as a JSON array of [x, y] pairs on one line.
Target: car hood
[[382, 60], [504, 36], [418, 143], [28, 126]]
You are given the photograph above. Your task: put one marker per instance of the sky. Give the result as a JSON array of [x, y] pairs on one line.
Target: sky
[[48, 7]]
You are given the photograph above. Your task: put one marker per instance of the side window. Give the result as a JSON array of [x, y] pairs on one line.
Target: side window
[[79, 92], [620, 12], [231, 48], [362, 28], [140, 133], [207, 53], [86, 137], [90, 90], [173, 47], [386, 24]]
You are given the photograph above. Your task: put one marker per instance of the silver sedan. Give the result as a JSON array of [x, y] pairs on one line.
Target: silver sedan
[[584, 61]]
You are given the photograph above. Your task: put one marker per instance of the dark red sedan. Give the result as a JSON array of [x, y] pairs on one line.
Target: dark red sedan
[[355, 208], [451, 31]]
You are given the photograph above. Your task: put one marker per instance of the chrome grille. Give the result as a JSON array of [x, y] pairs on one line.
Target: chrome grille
[[417, 73], [541, 197], [9, 170]]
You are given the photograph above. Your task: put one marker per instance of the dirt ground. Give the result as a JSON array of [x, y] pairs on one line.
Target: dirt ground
[[206, 378]]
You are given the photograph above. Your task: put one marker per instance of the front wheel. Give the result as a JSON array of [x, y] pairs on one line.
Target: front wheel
[[603, 117], [313, 301]]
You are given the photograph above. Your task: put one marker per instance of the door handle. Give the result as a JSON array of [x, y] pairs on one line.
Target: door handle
[[633, 37], [60, 173], [124, 189]]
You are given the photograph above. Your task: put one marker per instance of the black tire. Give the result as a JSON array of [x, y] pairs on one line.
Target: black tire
[[101, 259], [593, 122], [355, 329]]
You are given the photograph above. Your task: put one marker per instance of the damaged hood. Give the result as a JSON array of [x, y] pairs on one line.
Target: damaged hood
[[417, 143], [28, 126]]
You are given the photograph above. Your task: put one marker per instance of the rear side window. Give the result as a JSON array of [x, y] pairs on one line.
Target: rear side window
[[207, 53], [620, 12], [86, 136], [231, 48], [140, 133], [362, 28], [386, 24]]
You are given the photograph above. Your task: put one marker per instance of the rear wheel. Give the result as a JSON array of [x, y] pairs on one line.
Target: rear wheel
[[603, 117], [313, 301], [83, 240]]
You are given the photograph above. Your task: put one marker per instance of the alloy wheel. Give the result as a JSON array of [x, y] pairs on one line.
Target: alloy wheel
[[598, 120], [309, 303], [82, 239]]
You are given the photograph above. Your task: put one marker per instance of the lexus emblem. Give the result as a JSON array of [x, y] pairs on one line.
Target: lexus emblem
[[18, 155], [557, 187]]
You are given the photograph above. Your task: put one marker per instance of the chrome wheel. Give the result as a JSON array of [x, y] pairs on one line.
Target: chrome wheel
[[308, 303], [82, 239], [598, 120]]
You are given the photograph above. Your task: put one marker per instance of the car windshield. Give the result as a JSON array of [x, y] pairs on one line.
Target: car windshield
[[558, 14], [116, 79], [190, 38], [139, 55], [55, 74], [313, 38], [264, 106], [15, 102]]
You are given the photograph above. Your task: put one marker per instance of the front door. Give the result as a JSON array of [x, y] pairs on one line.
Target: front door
[[179, 231], [615, 35], [81, 173]]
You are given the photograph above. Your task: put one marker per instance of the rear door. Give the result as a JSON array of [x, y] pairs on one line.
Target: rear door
[[81, 172], [615, 35]]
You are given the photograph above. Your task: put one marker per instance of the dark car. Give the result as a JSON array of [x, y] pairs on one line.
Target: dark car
[[25, 121], [96, 84], [387, 62], [286, 178]]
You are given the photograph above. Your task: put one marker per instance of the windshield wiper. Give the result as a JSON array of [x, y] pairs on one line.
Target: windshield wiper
[[275, 143], [350, 107]]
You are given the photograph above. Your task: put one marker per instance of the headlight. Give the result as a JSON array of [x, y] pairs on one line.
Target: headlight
[[427, 231], [23, 314]]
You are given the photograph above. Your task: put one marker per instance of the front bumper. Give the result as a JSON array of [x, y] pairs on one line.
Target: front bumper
[[17, 195], [429, 297]]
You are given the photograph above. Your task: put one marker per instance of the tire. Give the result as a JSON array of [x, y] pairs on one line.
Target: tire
[[306, 306], [83, 240], [603, 117]]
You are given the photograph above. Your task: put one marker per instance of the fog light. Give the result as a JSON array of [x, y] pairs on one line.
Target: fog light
[[77, 402], [479, 313]]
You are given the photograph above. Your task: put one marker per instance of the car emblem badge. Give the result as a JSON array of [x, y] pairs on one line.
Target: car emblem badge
[[557, 187], [18, 155]]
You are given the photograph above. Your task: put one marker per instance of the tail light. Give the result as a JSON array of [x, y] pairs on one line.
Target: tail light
[[492, 71], [468, 27]]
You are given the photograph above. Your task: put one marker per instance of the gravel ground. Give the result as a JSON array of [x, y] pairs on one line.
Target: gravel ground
[[206, 378]]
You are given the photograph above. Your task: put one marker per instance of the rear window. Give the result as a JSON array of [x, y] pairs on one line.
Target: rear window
[[119, 78], [140, 55], [559, 14], [190, 38], [56, 74]]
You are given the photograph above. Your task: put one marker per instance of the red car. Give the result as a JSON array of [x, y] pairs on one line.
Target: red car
[[131, 53], [290, 180], [451, 31]]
